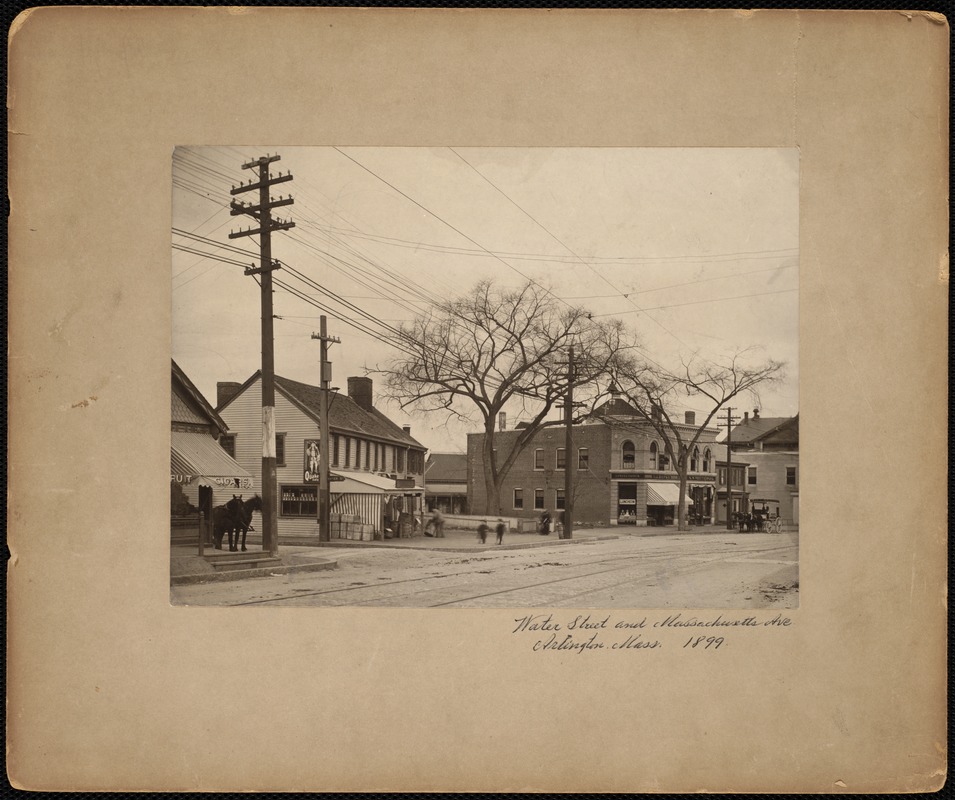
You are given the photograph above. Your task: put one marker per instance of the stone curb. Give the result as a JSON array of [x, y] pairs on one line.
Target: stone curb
[[259, 572], [461, 549]]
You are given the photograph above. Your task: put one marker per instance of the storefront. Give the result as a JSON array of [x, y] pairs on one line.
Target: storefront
[[662, 502], [196, 459], [627, 503]]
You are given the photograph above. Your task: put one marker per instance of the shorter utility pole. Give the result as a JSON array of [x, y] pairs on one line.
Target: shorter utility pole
[[569, 460], [730, 419], [324, 498]]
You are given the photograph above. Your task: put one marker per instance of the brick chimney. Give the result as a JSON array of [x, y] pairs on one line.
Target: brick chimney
[[406, 429], [690, 417], [359, 390], [225, 391], [755, 413], [745, 416]]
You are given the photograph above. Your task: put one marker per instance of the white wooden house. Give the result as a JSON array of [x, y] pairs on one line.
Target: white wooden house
[[379, 463]]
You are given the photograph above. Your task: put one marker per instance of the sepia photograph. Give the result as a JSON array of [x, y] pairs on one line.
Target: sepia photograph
[[485, 377]]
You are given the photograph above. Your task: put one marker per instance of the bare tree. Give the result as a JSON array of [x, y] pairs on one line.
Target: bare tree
[[655, 392], [494, 347]]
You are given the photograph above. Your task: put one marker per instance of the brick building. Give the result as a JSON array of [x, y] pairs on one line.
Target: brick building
[[622, 471]]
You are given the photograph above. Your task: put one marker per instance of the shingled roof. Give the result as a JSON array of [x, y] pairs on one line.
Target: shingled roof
[[764, 429], [448, 467], [344, 414], [200, 411]]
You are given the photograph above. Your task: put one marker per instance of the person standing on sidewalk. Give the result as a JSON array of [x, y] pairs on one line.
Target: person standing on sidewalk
[[482, 531], [501, 527], [545, 523]]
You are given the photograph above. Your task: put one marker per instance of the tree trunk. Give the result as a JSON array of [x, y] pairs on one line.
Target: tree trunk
[[492, 487], [681, 508]]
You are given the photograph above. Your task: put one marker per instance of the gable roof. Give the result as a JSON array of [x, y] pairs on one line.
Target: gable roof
[[344, 414], [199, 405], [753, 429], [447, 467]]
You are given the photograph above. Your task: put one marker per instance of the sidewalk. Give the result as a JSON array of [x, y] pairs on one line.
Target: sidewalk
[[187, 566]]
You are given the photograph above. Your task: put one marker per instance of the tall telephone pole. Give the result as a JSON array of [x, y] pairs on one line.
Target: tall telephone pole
[[730, 419], [262, 213], [568, 450], [324, 500]]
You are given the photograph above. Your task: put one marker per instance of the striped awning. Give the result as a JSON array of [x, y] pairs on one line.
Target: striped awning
[[198, 457], [664, 494]]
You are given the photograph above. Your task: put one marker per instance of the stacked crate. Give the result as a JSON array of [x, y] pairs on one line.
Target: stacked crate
[[350, 526]]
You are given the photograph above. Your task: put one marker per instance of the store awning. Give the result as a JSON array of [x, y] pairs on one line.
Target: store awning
[[664, 494], [198, 457], [368, 483]]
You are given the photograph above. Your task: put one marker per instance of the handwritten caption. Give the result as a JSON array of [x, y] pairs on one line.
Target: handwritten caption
[[589, 632]]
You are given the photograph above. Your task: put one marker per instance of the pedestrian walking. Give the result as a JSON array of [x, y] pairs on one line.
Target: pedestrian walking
[[436, 523], [501, 527], [545, 523], [482, 531]]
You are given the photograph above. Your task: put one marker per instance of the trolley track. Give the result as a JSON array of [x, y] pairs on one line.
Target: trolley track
[[648, 558]]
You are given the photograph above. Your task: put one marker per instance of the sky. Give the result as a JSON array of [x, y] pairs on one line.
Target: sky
[[696, 249]]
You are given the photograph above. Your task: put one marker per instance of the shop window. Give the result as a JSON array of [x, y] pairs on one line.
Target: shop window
[[227, 443], [561, 458], [752, 476], [559, 500], [539, 459], [280, 449], [518, 499], [583, 458], [629, 453], [539, 499], [790, 476], [299, 501], [653, 455]]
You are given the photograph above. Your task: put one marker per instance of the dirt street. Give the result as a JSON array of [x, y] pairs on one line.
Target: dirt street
[[689, 570]]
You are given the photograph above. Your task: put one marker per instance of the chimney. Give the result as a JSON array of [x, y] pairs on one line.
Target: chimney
[[755, 413], [359, 390], [502, 421], [690, 417], [406, 429], [225, 391], [745, 416]]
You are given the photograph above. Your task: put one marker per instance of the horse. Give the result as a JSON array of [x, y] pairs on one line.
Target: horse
[[242, 516], [234, 516]]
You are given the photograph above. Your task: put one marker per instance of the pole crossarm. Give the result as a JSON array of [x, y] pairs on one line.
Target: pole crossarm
[[237, 207], [275, 226], [248, 187], [257, 162]]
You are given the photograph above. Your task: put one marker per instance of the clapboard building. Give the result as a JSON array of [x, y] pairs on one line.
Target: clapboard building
[[378, 467]]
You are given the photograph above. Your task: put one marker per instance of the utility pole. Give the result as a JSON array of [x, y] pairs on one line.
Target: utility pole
[[262, 214], [730, 419], [324, 500], [568, 450]]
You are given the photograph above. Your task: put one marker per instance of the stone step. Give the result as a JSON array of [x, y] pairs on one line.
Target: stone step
[[231, 561]]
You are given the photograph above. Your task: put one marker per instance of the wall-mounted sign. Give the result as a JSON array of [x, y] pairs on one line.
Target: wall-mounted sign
[[312, 459]]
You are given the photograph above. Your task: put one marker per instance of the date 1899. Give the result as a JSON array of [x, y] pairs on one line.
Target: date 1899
[[704, 642]]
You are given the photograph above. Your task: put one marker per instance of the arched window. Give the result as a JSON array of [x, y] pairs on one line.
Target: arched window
[[653, 455], [629, 455], [706, 460], [695, 459]]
